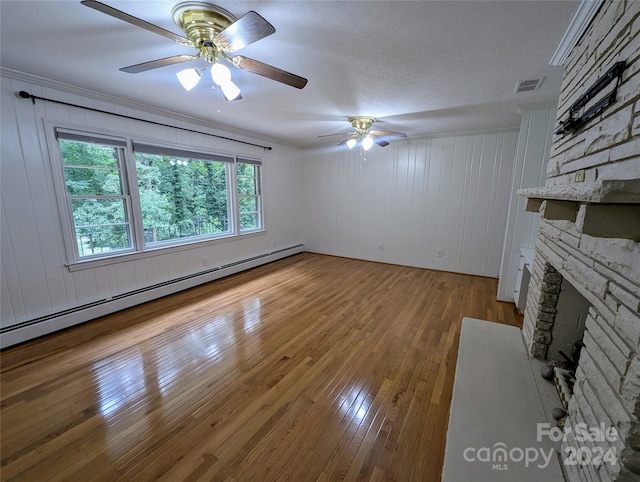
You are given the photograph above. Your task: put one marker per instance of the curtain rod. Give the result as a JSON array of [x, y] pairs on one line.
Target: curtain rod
[[26, 95]]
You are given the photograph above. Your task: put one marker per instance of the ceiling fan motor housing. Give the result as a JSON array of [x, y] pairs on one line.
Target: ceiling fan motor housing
[[361, 124], [201, 21]]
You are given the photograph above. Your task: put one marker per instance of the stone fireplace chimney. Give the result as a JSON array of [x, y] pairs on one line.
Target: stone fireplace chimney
[[589, 236]]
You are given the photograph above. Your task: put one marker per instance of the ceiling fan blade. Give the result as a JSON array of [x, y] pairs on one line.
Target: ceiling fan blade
[[268, 71], [388, 134], [381, 142], [249, 28], [339, 134], [155, 64], [101, 7]]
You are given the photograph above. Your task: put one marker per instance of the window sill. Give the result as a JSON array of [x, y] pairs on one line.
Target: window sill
[[158, 251]]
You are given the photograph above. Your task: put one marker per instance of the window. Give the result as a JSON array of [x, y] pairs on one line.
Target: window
[[96, 194], [249, 202], [183, 195], [168, 196]]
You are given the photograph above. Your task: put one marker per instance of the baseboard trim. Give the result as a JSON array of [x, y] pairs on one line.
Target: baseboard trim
[[45, 325]]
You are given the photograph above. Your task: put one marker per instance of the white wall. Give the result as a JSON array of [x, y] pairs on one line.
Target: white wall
[[35, 281], [405, 204], [409, 201], [532, 156]]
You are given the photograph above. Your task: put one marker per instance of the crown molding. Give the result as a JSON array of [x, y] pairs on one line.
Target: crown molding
[[129, 104], [479, 132], [579, 23], [527, 107]]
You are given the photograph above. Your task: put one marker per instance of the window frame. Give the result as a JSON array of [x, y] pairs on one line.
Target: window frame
[[257, 163], [139, 249], [65, 200], [166, 150]]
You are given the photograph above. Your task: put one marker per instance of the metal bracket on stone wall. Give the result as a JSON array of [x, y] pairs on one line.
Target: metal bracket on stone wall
[[574, 122]]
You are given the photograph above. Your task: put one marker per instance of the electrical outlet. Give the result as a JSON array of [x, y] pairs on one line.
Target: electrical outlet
[[580, 175], [381, 247], [441, 253]]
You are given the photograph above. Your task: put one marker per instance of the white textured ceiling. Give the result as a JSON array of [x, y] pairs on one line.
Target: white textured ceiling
[[420, 67]]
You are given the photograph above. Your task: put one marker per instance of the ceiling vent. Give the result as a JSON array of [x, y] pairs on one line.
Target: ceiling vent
[[528, 85]]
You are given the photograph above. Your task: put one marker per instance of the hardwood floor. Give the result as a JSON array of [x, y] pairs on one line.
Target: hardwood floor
[[310, 368]]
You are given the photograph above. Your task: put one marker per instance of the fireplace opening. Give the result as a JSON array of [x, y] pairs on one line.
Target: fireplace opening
[[568, 329], [564, 312]]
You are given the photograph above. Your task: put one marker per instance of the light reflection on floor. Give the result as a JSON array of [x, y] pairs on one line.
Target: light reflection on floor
[[118, 381], [252, 314], [121, 381], [355, 405]]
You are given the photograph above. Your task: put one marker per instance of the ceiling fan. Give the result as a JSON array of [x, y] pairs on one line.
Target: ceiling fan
[[364, 135], [214, 33]]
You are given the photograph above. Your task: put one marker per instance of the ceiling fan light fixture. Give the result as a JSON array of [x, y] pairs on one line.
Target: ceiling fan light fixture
[[367, 142], [189, 78], [363, 135], [220, 74], [230, 90]]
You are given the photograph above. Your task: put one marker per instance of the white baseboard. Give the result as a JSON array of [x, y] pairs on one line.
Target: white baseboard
[[36, 328]]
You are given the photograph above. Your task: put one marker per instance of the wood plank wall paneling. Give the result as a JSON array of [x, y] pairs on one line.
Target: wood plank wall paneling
[[35, 281], [413, 200], [531, 159], [310, 368]]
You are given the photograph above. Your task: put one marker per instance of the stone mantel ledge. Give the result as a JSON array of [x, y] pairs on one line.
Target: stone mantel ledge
[[604, 209], [615, 191]]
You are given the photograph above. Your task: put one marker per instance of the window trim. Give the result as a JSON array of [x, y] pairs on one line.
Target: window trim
[[118, 143], [158, 251], [258, 195], [65, 210], [164, 150], [139, 249]]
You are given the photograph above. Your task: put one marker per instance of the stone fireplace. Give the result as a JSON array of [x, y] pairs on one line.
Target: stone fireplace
[[589, 237]]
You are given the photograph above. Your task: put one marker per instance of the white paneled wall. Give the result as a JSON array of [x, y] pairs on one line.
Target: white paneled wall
[[532, 156], [35, 280], [434, 203]]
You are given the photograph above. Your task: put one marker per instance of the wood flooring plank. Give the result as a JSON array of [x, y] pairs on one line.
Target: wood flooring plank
[[309, 368]]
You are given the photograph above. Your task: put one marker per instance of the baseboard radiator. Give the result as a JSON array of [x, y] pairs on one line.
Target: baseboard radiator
[[44, 325]]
